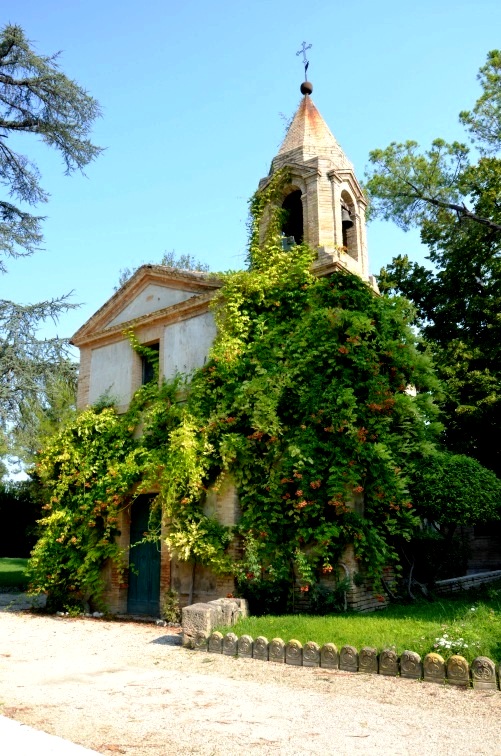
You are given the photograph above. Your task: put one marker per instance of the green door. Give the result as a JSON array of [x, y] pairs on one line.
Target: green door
[[144, 578]]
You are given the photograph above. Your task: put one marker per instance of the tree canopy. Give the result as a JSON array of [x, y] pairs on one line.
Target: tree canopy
[[36, 98], [44, 411], [452, 194], [453, 490], [170, 259], [415, 187]]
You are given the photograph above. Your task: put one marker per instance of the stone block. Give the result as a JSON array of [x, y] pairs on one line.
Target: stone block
[[483, 673], [294, 653], [227, 609], [458, 672], [367, 660], [243, 604], [329, 658], [410, 665], [276, 651], [216, 643], [197, 618], [388, 662], [260, 650], [230, 642], [348, 659], [201, 641], [434, 668], [245, 646], [311, 654]]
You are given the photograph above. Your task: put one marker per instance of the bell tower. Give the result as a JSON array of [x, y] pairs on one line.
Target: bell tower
[[324, 203]]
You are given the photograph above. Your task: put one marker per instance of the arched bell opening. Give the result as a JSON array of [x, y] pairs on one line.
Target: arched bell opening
[[292, 223], [349, 225]]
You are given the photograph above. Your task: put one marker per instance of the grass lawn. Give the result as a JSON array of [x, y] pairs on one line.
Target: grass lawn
[[12, 572], [447, 626]]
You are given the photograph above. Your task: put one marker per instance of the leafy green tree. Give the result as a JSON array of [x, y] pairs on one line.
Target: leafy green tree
[[36, 98], [417, 188], [454, 201], [44, 413], [453, 489], [484, 121], [170, 259], [20, 508], [451, 493]]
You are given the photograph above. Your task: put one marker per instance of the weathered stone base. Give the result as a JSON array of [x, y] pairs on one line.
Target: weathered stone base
[[201, 618]]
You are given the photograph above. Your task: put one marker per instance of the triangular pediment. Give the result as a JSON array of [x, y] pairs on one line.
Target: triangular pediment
[[153, 291]]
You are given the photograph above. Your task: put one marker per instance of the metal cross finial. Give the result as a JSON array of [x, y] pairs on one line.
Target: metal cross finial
[[306, 62]]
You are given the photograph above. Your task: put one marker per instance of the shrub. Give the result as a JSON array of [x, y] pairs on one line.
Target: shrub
[[171, 611]]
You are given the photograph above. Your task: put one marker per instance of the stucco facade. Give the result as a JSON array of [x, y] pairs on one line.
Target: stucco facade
[[163, 306], [170, 309]]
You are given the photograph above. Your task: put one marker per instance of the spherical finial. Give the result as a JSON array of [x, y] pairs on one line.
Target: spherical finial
[[306, 88]]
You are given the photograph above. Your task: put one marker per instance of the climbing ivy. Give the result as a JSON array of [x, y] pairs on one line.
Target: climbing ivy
[[86, 474], [266, 218], [310, 412], [304, 404]]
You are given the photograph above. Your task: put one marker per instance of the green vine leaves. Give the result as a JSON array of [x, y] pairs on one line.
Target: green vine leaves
[[86, 474], [303, 404]]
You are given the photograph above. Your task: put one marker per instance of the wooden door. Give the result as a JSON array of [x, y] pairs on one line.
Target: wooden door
[[144, 578]]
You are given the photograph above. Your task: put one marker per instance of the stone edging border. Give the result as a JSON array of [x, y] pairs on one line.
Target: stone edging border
[[482, 673]]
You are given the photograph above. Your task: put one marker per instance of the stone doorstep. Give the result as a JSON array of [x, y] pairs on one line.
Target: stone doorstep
[[144, 618]]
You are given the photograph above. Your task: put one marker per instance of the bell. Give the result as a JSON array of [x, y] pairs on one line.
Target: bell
[[346, 218], [287, 242]]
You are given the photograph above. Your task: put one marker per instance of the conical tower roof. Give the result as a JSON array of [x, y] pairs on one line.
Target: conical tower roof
[[325, 203], [309, 137]]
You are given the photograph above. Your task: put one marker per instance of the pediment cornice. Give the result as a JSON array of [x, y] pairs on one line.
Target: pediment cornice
[[200, 285]]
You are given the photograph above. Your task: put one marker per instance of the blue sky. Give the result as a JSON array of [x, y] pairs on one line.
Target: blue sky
[[193, 96]]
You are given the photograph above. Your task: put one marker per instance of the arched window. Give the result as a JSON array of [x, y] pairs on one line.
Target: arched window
[[349, 225], [292, 225]]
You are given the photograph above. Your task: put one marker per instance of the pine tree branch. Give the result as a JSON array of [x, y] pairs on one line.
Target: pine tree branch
[[461, 210]]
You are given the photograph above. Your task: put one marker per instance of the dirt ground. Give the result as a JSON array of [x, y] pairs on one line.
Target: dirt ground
[[129, 688]]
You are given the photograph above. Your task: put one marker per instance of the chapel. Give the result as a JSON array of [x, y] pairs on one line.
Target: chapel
[[168, 309]]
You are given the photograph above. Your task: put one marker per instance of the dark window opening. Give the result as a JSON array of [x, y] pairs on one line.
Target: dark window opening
[[292, 226], [149, 363], [349, 229], [347, 223]]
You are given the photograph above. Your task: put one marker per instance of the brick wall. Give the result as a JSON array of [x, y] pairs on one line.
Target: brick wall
[[115, 594]]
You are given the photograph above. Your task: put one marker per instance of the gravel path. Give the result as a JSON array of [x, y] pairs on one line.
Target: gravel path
[[128, 688]]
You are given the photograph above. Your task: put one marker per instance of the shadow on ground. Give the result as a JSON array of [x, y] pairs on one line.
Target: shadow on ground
[[168, 640], [20, 602]]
